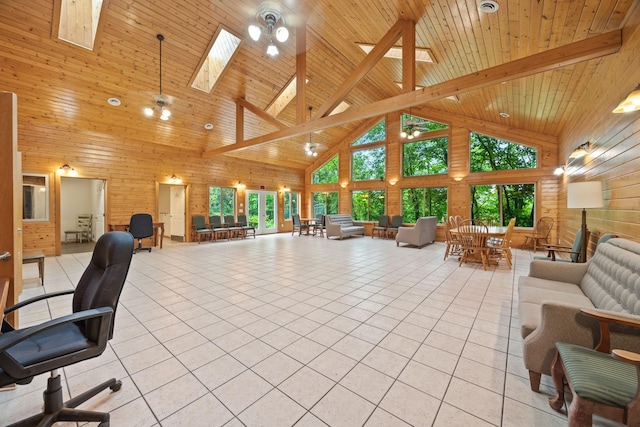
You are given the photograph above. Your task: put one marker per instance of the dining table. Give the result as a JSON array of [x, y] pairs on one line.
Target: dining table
[[493, 232], [310, 223]]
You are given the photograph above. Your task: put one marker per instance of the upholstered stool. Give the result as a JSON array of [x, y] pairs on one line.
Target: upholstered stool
[[599, 382]]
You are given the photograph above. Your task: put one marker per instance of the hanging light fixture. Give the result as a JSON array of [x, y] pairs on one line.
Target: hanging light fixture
[[630, 103], [310, 148], [409, 128], [271, 15], [160, 99]]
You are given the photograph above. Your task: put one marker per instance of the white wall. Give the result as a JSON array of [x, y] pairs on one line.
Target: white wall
[[76, 197]]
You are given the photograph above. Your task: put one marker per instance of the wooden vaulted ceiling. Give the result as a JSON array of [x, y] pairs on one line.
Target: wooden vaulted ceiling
[[62, 85]]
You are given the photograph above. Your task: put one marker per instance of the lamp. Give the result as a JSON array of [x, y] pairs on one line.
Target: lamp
[[409, 128], [311, 149], [583, 195], [559, 170], [161, 100], [67, 170], [580, 151], [240, 185], [285, 189], [630, 103], [270, 14], [175, 179]]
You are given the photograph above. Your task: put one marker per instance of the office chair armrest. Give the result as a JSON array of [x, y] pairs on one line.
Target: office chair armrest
[[36, 299], [9, 340]]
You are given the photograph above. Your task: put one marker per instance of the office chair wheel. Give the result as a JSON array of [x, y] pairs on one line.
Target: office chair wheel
[[117, 386]]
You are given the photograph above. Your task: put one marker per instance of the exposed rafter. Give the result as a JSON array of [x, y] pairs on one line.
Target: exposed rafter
[[573, 53]]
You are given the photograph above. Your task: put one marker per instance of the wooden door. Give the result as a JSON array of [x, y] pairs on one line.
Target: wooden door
[[10, 199]]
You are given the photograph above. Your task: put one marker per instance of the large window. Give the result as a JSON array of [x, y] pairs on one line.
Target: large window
[[426, 157], [222, 201], [419, 202], [327, 173], [375, 134], [368, 164], [367, 205], [503, 202], [325, 203], [290, 204], [493, 154]]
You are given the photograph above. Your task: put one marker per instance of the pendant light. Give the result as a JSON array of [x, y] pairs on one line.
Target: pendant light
[[311, 149], [161, 100]]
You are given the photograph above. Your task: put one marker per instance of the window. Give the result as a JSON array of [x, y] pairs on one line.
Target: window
[[426, 157], [375, 134], [35, 197], [428, 201], [368, 164], [222, 50], [327, 173], [367, 205], [503, 202], [79, 21], [222, 201], [290, 204], [493, 154], [325, 203]]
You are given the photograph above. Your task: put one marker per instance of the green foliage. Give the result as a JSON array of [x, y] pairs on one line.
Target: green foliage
[[419, 202], [270, 214], [368, 164], [327, 173], [325, 203], [290, 204], [426, 157], [222, 201], [367, 205], [252, 209], [504, 202], [493, 154], [375, 134]]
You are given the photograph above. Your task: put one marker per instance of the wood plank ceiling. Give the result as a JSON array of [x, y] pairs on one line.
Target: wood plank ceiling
[[63, 85]]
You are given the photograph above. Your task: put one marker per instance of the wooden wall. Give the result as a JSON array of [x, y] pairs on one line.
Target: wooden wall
[[614, 157], [132, 171], [458, 180]]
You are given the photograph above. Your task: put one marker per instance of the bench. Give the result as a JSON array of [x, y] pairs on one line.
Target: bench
[[33, 257], [551, 296], [342, 225]]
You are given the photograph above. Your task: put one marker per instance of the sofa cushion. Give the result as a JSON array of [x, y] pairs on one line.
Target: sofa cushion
[[612, 281]]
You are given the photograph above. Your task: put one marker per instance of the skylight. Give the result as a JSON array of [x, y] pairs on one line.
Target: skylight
[[78, 21], [451, 97], [222, 50], [283, 99], [423, 54], [340, 108]]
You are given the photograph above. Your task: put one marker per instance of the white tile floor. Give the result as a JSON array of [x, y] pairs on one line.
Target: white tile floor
[[304, 331]]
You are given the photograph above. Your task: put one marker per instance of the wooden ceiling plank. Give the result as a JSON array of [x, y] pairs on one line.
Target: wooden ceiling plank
[[572, 53], [364, 67], [261, 113]]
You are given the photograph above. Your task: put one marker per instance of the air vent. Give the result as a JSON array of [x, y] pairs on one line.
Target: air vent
[[488, 6]]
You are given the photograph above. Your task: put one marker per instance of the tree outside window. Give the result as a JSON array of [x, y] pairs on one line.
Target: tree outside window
[[493, 154], [420, 202], [222, 201], [426, 157], [503, 202], [325, 203], [375, 134], [368, 164], [290, 204], [327, 173], [367, 205]]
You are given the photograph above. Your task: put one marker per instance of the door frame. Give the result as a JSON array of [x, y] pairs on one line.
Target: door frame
[[261, 196], [187, 209]]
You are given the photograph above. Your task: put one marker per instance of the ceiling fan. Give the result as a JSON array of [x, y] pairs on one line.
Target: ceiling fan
[[412, 127]]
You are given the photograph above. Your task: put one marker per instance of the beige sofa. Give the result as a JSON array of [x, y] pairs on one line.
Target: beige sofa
[[423, 232], [342, 225], [551, 296]]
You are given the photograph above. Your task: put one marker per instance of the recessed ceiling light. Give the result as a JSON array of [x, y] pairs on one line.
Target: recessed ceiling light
[[208, 126], [115, 102], [505, 115]]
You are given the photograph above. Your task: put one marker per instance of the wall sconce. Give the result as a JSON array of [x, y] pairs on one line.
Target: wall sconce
[[393, 181], [343, 184], [240, 186], [67, 170], [175, 179], [630, 103], [559, 170], [457, 178], [580, 151], [285, 189]]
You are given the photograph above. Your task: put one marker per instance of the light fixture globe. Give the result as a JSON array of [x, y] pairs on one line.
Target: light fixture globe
[[272, 50], [254, 32], [282, 34], [270, 21]]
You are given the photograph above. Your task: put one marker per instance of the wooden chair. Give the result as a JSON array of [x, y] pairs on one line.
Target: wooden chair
[[297, 225], [601, 383], [320, 224], [218, 230], [246, 227], [451, 239], [501, 248], [473, 242], [381, 228], [540, 233], [574, 251], [233, 229], [200, 228]]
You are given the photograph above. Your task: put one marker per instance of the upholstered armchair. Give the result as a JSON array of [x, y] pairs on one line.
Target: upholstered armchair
[[423, 232]]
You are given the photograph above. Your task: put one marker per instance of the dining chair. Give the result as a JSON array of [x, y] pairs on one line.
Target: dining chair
[[501, 247], [297, 225], [540, 233], [452, 240], [320, 225], [473, 242]]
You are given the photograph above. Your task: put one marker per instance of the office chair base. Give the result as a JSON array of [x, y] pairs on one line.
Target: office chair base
[[141, 248], [55, 410]]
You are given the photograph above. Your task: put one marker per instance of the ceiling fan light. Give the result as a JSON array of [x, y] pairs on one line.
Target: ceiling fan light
[[272, 50], [148, 111], [166, 113], [163, 117], [282, 34], [410, 136], [403, 134], [254, 32], [416, 132], [315, 154]]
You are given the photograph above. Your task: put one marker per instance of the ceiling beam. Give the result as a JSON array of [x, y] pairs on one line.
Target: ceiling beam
[[401, 27], [261, 113], [552, 59]]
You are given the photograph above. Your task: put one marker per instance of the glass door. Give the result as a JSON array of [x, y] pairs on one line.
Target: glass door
[[262, 210]]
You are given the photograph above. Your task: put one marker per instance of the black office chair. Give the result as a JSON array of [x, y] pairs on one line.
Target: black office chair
[[25, 353], [141, 227]]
